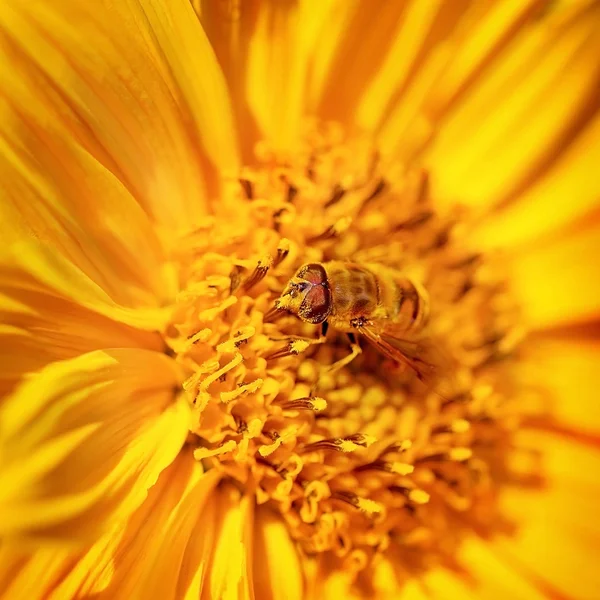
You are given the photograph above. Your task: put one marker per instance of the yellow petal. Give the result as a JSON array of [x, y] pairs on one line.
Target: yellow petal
[[423, 26], [160, 539], [570, 188], [230, 569], [31, 574], [557, 282], [275, 73], [490, 577], [522, 114], [567, 367], [39, 328], [112, 76], [179, 568], [83, 441], [193, 64], [83, 212], [35, 266], [558, 530], [349, 50], [277, 574]]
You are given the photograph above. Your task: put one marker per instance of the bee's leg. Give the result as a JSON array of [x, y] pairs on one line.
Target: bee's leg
[[355, 350]]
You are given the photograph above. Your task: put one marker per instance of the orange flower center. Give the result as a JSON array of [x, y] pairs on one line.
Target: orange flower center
[[364, 459]]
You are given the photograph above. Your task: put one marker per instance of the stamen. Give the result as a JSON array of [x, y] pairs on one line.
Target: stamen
[[348, 444], [201, 453], [291, 193], [293, 348], [414, 495], [261, 269], [379, 188], [247, 187], [337, 194], [310, 403], [333, 231], [273, 312], [282, 251], [365, 505], [394, 467], [414, 222]]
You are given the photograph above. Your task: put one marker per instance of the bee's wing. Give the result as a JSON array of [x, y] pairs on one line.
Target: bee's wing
[[421, 356]]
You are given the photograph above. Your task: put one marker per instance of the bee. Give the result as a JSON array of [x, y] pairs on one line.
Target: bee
[[378, 302]]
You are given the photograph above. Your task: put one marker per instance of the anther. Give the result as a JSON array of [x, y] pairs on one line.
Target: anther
[[236, 277], [423, 191], [272, 313], [365, 505], [339, 227], [414, 495], [247, 187], [377, 190], [283, 249], [258, 274], [337, 194], [395, 467], [415, 221], [347, 444], [310, 403], [293, 348], [292, 192]]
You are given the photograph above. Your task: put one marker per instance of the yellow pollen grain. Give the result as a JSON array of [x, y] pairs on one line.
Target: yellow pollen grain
[[418, 496], [299, 346], [460, 454], [342, 225], [460, 426], [347, 445], [400, 468], [318, 404], [368, 506]]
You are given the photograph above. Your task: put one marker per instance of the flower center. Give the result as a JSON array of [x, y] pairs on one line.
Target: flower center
[[363, 459]]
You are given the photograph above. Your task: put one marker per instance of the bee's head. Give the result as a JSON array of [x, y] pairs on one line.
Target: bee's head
[[307, 294]]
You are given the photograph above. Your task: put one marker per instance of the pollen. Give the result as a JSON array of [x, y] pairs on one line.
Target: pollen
[[363, 459]]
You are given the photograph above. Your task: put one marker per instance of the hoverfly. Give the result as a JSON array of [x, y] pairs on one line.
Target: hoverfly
[[378, 302]]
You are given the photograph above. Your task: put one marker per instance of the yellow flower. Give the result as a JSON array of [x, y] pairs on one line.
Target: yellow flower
[[165, 432]]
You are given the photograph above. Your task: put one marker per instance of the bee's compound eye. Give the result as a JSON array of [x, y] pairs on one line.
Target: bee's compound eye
[[316, 306], [314, 273]]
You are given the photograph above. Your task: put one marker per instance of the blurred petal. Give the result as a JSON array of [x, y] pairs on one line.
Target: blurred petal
[[206, 94], [32, 266], [55, 192], [568, 370], [276, 72], [382, 43], [557, 282], [277, 574], [570, 188], [489, 151], [559, 532], [116, 83], [174, 523], [420, 32], [31, 574], [230, 569], [263, 48], [83, 441]]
